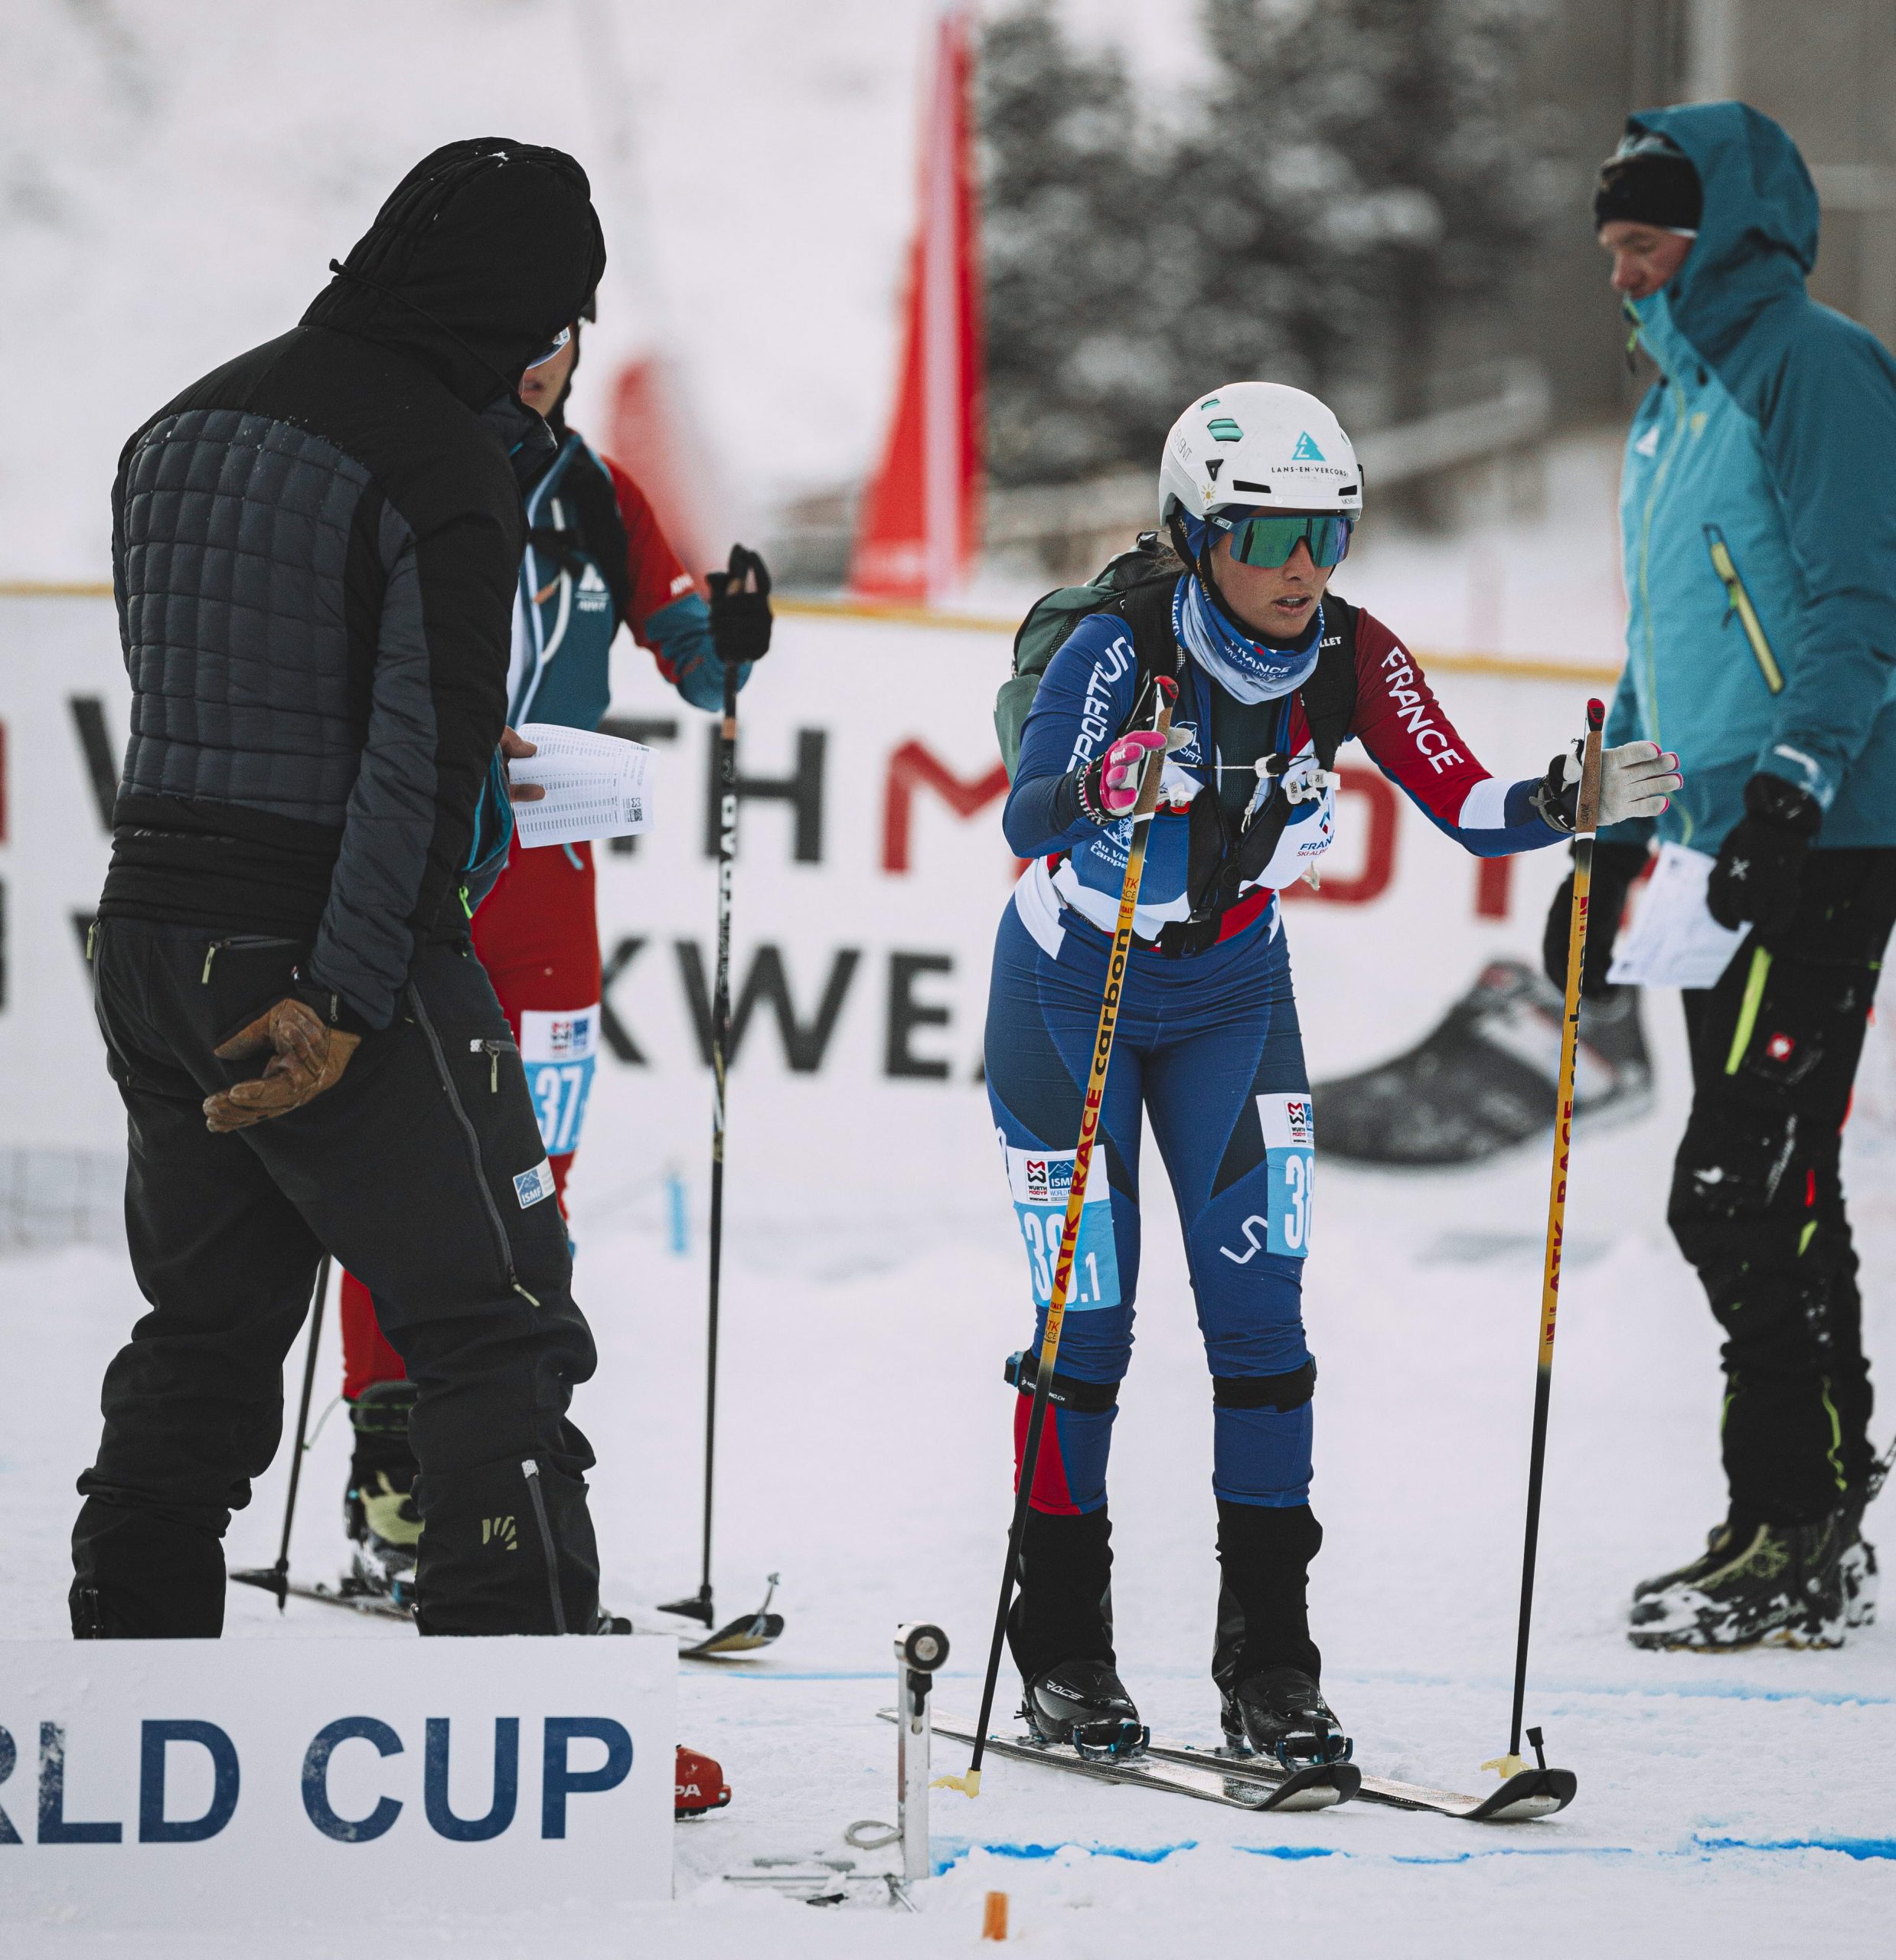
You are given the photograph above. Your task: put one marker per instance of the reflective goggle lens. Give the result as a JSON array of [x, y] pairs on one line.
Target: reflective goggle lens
[[1268, 541], [559, 341]]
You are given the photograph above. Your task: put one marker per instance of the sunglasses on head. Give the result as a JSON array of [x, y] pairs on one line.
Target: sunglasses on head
[[1267, 539]]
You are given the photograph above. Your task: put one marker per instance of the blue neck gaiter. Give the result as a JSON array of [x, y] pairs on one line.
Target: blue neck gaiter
[[1248, 670]]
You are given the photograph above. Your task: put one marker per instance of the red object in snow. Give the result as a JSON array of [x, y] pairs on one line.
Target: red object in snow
[[920, 523], [698, 1784]]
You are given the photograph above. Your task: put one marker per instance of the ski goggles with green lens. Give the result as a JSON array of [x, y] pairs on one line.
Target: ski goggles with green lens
[[1265, 538]]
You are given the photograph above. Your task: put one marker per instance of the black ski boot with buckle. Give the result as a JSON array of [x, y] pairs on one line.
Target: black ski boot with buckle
[[1060, 1630], [1265, 1663]]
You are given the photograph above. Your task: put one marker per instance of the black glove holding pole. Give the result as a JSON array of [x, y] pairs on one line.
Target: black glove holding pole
[[1616, 869], [740, 609], [1761, 862]]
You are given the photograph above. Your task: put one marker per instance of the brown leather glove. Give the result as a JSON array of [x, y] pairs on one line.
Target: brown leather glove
[[306, 1057]]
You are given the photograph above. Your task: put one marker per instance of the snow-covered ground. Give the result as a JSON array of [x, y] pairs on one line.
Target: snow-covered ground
[[1729, 1806]]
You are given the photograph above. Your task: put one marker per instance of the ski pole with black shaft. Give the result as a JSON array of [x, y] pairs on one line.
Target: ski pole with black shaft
[[699, 1607], [1586, 822], [280, 1571], [1142, 810]]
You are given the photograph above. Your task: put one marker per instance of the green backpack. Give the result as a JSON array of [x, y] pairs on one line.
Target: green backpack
[[1137, 584]]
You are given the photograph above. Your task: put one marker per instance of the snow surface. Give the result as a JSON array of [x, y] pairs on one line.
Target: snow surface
[[1739, 1805]]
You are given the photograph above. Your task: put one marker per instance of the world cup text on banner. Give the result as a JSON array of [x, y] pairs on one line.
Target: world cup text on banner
[[157, 1782]]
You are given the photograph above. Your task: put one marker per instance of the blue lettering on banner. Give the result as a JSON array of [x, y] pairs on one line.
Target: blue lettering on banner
[[9, 1755], [1040, 1182], [559, 1781], [54, 1827], [472, 1830], [155, 1828], [346, 1831]]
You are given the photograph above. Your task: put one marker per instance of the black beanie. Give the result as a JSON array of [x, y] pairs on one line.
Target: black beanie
[[1648, 180]]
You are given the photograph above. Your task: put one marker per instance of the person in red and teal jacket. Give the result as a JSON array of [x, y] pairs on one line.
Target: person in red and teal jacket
[[596, 559]]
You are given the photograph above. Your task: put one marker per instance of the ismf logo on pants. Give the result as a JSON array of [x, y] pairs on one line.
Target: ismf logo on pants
[[530, 1187]]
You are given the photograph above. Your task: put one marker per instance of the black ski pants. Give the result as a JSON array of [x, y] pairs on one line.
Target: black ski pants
[[1757, 1197], [416, 1171]]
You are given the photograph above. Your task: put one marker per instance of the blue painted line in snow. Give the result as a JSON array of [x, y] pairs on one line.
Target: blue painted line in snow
[[958, 1848], [951, 1852], [1852, 1848]]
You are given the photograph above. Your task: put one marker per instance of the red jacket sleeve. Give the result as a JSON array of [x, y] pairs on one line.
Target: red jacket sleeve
[[1401, 724], [654, 575]]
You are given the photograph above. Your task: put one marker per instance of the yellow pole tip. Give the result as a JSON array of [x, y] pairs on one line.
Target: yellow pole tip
[[1504, 1766], [969, 1786]]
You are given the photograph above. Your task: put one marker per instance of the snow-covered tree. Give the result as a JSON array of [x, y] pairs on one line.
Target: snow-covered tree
[[1347, 207], [1080, 373]]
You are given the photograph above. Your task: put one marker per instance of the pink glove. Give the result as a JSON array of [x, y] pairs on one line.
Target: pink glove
[[1110, 787]]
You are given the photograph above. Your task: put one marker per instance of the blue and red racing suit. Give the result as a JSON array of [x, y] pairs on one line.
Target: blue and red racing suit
[[1208, 1045]]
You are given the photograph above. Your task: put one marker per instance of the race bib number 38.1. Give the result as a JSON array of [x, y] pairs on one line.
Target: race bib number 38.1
[[558, 1050], [1290, 1143], [1040, 1182]]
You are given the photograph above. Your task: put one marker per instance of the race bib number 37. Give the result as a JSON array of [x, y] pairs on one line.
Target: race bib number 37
[[1040, 1182], [1290, 1143], [558, 1050]]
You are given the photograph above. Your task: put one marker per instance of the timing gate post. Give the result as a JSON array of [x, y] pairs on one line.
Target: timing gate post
[[920, 1650]]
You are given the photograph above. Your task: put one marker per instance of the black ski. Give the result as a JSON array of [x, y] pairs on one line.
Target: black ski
[[744, 1635], [1317, 1788], [1527, 1794], [378, 1606]]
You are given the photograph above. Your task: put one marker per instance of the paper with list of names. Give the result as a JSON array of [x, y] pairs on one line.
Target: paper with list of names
[[596, 785], [1675, 942]]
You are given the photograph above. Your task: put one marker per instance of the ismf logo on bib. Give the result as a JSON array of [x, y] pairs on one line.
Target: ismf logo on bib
[[558, 1050], [1040, 1182], [1290, 1144]]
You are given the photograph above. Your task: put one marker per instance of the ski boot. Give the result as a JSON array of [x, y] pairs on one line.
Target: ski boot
[[1754, 1585], [1482, 1080], [1084, 1703], [1264, 1662], [384, 1526], [1280, 1713], [698, 1784], [1859, 1555], [1060, 1630]]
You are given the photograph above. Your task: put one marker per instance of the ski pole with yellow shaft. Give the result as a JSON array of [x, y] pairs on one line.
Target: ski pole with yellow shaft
[[1586, 822], [1142, 810]]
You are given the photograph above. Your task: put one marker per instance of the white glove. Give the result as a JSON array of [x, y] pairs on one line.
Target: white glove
[[1637, 779]]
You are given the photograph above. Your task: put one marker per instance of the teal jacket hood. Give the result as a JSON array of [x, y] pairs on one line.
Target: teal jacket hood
[[1757, 236], [1758, 508]]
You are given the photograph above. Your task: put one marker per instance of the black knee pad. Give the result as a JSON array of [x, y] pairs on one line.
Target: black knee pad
[[1284, 1392], [1022, 1372]]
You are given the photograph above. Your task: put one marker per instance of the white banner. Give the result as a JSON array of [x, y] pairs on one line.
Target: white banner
[[872, 872], [199, 1781]]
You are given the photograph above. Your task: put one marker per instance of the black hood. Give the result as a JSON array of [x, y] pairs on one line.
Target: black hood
[[482, 252]]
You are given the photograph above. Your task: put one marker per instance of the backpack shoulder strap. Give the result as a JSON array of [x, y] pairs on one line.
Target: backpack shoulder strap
[[1329, 694], [1146, 609]]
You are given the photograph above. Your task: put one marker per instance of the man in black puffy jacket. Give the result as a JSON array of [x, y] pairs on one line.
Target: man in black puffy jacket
[[315, 549]]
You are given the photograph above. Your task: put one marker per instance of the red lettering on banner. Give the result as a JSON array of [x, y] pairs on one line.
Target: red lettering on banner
[[912, 765], [1378, 861], [1494, 880]]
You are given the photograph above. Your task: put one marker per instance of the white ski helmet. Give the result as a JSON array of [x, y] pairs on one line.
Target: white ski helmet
[[1260, 443]]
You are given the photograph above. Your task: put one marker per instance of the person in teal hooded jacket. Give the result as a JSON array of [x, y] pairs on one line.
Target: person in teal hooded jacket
[[1758, 514]]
